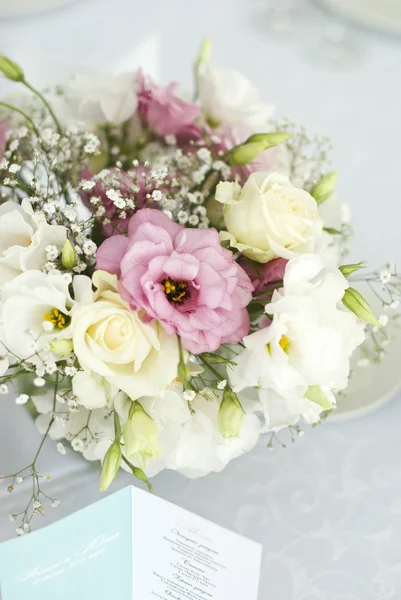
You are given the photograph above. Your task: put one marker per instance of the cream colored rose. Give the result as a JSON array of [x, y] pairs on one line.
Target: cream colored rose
[[111, 341], [269, 217]]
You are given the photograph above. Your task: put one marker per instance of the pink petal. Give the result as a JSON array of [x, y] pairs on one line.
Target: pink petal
[[110, 254]]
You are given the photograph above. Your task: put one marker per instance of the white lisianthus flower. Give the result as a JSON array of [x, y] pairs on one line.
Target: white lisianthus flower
[[227, 96], [31, 300], [269, 217], [190, 442], [24, 237], [111, 340], [306, 349], [98, 99], [92, 391]]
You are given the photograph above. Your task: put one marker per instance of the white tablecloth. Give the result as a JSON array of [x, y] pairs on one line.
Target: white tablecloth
[[328, 508]]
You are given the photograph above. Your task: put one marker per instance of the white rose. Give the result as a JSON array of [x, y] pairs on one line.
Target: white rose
[[269, 217], [24, 237], [98, 99], [227, 96], [112, 341], [30, 302]]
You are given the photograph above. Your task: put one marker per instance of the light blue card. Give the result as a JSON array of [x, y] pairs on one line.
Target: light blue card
[[130, 546], [86, 555]]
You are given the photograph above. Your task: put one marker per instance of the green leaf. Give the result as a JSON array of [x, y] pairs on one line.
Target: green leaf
[[332, 231], [347, 270], [255, 311], [324, 188], [358, 305], [315, 394], [217, 358]]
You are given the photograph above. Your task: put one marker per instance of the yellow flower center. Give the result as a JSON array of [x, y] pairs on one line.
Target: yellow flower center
[[57, 318], [284, 344], [176, 291]]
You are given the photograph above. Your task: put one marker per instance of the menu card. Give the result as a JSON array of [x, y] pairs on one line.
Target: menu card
[[132, 546]]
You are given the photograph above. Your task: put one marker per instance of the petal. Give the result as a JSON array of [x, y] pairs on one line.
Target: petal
[[110, 254]]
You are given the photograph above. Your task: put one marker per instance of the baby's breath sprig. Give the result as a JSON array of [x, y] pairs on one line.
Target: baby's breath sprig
[[38, 497]]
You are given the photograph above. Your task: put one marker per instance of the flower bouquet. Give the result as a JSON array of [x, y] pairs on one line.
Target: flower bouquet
[[172, 280]]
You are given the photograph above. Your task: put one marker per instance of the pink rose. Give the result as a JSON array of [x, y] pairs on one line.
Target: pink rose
[[263, 274], [4, 127], [164, 111], [181, 277]]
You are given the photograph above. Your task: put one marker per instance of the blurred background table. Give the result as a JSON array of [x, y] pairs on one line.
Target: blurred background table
[[328, 508]]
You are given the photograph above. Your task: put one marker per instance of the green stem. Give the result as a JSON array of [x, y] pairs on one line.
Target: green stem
[[139, 474], [21, 112], [48, 427], [46, 103]]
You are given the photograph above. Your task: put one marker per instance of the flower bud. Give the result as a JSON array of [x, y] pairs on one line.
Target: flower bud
[[314, 393], [204, 53], [68, 256], [141, 440], [231, 415], [358, 305], [62, 347], [111, 465], [347, 270], [324, 188], [10, 69], [245, 153], [269, 139]]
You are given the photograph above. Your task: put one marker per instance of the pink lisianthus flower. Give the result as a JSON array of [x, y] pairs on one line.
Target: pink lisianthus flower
[[165, 112], [263, 274], [181, 277], [4, 127]]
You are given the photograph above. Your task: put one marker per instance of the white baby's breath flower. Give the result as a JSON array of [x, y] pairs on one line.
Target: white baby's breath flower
[[77, 445], [383, 320], [89, 247], [39, 382], [22, 399], [385, 276], [50, 368], [87, 184], [52, 252], [61, 448], [222, 384], [189, 395], [3, 388], [70, 371]]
